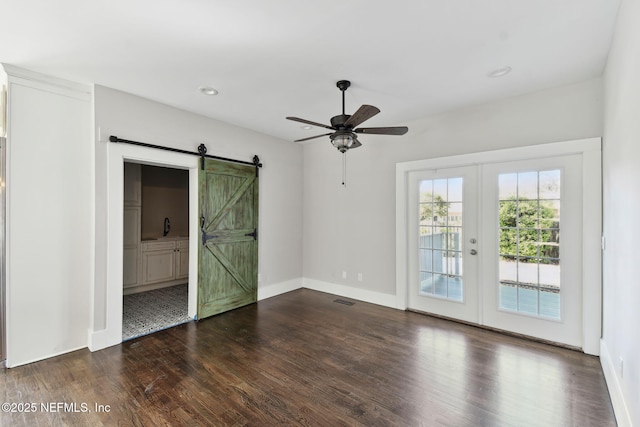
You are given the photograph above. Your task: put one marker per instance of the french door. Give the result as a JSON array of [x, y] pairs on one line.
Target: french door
[[500, 244], [445, 242], [533, 270]]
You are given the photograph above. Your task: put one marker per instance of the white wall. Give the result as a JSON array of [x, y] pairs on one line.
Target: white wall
[[134, 118], [621, 180], [352, 229], [49, 216]]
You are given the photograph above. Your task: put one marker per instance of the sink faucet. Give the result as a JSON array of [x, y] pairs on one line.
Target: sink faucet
[[167, 227]]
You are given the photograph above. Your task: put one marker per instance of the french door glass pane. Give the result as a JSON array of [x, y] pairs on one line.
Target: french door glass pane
[[440, 249], [529, 215]]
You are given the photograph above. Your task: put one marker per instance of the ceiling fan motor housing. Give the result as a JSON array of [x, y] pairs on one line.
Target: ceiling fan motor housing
[[339, 121]]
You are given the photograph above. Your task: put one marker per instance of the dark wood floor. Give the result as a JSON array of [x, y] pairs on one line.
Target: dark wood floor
[[302, 359]]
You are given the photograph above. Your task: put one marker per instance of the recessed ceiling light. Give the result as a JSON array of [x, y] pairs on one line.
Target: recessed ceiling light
[[207, 90], [307, 127], [500, 72]]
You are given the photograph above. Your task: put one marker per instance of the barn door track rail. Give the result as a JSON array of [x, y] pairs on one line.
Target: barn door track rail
[[202, 152]]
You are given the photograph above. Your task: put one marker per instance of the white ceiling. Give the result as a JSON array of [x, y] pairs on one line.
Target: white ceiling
[[278, 58]]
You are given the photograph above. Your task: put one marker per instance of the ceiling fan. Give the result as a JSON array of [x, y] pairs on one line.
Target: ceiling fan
[[343, 126]]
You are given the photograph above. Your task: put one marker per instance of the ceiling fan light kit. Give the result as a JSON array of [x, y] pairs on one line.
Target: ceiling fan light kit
[[342, 141]]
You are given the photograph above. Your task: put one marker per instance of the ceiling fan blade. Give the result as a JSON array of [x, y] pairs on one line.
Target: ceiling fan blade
[[395, 130], [309, 122], [313, 137], [365, 112], [355, 143]]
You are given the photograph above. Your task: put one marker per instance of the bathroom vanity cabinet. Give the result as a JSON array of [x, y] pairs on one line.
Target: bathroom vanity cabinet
[[165, 260]]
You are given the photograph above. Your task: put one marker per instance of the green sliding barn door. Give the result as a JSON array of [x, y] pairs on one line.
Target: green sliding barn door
[[228, 250]]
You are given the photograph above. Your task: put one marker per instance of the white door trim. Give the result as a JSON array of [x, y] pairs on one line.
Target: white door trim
[[117, 154], [590, 149]]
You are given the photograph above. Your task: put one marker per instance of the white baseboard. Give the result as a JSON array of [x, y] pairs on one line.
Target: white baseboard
[[276, 289], [386, 300], [10, 363], [99, 340], [615, 390]]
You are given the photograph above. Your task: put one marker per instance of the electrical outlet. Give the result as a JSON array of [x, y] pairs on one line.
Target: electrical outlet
[[359, 277], [344, 274]]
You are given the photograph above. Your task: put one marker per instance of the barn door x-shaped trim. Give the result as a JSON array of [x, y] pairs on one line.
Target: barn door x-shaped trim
[[224, 211]]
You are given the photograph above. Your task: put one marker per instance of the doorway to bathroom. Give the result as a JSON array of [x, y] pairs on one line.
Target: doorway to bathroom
[[155, 249]]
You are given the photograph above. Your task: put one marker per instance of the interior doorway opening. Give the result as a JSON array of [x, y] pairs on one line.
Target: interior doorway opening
[[155, 249]]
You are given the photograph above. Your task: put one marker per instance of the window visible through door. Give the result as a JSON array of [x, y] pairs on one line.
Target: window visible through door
[[440, 249], [529, 248]]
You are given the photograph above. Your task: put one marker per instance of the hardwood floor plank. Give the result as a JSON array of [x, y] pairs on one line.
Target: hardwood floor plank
[[302, 359]]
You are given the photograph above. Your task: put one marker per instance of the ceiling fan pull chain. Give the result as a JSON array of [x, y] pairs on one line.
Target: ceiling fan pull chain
[[344, 169]]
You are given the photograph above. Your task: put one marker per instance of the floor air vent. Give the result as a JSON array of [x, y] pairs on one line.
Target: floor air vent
[[341, 301]]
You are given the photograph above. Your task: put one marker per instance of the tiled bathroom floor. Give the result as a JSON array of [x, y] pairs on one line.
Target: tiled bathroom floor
[[153, 311]]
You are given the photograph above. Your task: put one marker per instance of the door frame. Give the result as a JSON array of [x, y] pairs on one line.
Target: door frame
[[106, 296], [591, 151]]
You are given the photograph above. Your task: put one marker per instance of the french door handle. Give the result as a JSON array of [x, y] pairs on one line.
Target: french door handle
[[473, 252]]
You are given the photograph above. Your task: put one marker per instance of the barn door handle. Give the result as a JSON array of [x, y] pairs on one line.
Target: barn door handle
[[253, 234]]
